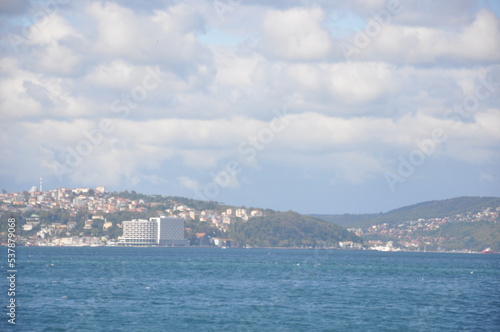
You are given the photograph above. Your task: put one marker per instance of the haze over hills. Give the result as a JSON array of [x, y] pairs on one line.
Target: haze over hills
[[424, 210]]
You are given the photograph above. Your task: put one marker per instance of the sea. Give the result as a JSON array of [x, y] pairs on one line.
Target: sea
[[212, 289]]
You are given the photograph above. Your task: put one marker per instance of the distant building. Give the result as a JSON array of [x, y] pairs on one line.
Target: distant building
[[19, 199], [170, 231], [33, 217], [27, 227], [256, 213], [139, 232], [161, 231], [240, 213], [223, 242], [181, 207], [101, 189], [80, 201], [80, 191], [184, 214]]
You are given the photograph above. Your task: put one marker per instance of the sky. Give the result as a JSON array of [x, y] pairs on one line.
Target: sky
[[312, 106]]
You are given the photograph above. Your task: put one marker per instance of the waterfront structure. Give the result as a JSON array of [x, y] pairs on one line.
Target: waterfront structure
[[161, 231]]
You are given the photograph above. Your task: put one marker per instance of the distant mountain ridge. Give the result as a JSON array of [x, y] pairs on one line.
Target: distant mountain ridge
[[424, 210]]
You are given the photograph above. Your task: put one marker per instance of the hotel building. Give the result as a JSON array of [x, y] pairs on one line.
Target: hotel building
[[161, 231]]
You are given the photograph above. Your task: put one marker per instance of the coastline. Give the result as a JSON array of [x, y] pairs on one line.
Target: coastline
[[262, 248]]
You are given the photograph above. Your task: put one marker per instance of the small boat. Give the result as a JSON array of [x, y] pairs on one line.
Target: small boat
[[488, 251]]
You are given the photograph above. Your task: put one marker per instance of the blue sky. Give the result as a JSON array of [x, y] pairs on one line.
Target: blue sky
[[313, 106]]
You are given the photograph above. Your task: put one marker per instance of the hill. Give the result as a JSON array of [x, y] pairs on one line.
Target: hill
[[457, 224], [475, 236], [289, 229], [424, 210], [86, 216], [83, 216]]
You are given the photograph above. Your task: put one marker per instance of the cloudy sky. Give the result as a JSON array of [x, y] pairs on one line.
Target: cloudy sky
[[314, 106]]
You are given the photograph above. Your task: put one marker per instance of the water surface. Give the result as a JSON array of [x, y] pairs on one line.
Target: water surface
[[203, 289]]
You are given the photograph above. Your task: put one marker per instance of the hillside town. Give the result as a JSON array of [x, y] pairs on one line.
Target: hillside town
[[96, 204], [94, 217], [416, 234]]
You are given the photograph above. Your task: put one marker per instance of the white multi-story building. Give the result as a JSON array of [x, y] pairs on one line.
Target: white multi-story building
[[138, 232], [161, 231]]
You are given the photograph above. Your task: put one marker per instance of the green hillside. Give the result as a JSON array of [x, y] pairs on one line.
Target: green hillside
[[289, 229], [474, 236], [425, 210]]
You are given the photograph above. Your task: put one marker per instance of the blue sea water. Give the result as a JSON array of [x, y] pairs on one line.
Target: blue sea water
[[208, 289]]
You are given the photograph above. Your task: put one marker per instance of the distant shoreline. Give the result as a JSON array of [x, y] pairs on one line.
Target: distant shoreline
[[270, 248]]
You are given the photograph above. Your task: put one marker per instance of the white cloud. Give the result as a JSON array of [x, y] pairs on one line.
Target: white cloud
[[295, 34], [436, 13], [118, 73], [30, 94], [119, 30], [478, 41], [167, 36], [429, 13], [349, 120], [189, 183], [308, 139], [481, 39], [234, 69], [51, 29], [362, 82], [49, 35], [58, 59], [13, 103]]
